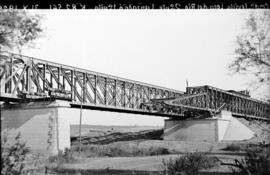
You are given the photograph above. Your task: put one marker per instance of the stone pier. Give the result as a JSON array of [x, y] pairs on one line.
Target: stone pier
[[222, 127], [43, 125]]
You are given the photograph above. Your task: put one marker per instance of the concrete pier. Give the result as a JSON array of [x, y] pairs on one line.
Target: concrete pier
[[42, 125], [222, 127]]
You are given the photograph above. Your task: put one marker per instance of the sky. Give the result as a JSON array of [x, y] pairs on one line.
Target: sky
[[160, 47]]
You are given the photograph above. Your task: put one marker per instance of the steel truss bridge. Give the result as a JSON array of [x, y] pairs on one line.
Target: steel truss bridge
[[24, 79]]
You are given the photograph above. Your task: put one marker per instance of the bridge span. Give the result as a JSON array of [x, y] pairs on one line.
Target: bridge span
[[24, 78]]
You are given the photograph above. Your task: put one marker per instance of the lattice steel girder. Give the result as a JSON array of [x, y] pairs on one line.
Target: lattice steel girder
[[22, 75], [237, 104], [214, 100], [201, 99]]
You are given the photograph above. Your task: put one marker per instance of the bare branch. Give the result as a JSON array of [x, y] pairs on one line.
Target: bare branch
[[253, 50]]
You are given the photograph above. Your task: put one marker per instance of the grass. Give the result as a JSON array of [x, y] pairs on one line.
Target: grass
[[107, 171], [66, 156], [56, 162], [234, 147], [120, 149]]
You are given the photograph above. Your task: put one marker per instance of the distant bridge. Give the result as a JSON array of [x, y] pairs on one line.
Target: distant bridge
[[24, 79]]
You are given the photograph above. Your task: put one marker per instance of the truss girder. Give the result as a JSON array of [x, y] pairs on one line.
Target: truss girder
[[238, 104], [38, 78], [27, 78], [206, 98]]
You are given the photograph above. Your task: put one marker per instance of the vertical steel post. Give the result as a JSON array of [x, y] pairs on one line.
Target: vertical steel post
[[51, 79], [215, 98], [11, 70], [207, 97], [44, 79], [80, 129], [124, 85], [29, 82], [95, 90], [71, 86], [114, 95], [58, 77], [133, 97], [64, 85], [105, 92], [150, 93], [84, 87]]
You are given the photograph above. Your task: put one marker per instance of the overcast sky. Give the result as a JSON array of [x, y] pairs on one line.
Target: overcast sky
[[161, 47]]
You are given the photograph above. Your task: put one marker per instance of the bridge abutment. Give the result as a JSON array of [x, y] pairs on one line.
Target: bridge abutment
[[222, 127]]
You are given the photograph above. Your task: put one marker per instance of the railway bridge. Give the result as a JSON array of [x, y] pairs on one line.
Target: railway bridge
[[38, 86]]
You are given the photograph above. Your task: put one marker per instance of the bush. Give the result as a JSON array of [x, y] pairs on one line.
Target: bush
[[189, 164], [13, 156], [158, 151], [255, 162]]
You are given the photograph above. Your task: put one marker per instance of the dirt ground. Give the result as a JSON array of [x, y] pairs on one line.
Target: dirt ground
[[99, 130], [154, 163], [146, 163]]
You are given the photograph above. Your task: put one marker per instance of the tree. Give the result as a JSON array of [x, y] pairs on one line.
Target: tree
[[18, 28], [253, 48]]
